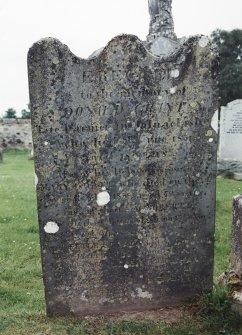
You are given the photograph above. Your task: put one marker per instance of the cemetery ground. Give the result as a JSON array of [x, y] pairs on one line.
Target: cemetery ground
[[22, 310]]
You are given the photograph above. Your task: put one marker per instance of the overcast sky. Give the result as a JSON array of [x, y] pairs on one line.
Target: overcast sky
[[87, 25]]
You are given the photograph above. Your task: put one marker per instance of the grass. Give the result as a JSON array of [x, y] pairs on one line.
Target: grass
[[22, 308], [226, 190]]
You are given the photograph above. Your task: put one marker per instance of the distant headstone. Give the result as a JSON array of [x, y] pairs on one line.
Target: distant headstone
[[236, 254], [1, 154], [230, 147], [125, 157]]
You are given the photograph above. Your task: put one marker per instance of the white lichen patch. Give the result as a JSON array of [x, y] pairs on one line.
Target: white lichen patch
[[175, 73], [46, 143], [103, 198], [197, 192], [211, 140], [126, 266], [203, 42], [173, 90], [142, 294], [51, 227]]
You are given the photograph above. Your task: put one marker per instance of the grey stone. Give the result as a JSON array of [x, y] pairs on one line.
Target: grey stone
[[230, 141], [96, 53], [236, 253], [161, 40], [237, 302], [15, 134], [1, 154], [161, 23], [125, 164], [125, 160], [162, 46], [229, 166], [238, 176]]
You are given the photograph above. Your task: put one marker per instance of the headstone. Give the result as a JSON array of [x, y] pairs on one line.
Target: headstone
[[125, 157], [236, 253], [161, 23], [230, 147], [162, 39], [1, 154]]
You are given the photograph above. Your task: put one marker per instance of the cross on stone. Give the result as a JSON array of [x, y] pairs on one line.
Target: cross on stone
[[161, 23]]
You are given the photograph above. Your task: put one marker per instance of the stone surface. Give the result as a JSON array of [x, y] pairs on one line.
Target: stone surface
[[237, 302], [161, 40], [236, 253], [125, 158], [161, 22], [237, 176], [229, 168], [15, 134], [230, 143]]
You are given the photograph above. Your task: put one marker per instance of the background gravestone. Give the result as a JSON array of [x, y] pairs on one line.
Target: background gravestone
[[230, 147], [125, 157], [230, 140], [236, 252]]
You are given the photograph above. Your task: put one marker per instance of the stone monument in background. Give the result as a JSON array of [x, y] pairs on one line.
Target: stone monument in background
[[230, 146], [230, 140], [125, 158], [161, 40], [236, 250]]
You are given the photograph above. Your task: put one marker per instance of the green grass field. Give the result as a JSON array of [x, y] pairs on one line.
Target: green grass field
[[22, 308]]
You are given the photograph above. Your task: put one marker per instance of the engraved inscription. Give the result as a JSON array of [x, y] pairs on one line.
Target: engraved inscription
[[128, 174]]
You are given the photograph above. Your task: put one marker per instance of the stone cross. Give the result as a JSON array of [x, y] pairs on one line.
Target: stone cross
[[161, 23]]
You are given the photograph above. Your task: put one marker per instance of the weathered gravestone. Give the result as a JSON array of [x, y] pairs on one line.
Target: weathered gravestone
[[230, 146], [236, 252], [125, 160]]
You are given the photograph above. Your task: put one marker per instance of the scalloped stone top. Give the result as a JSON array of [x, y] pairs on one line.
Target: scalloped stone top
[[125, 158]]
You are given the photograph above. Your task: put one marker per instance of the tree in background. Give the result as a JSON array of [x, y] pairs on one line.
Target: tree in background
[[230, 48], [25, 114], [10, 114]]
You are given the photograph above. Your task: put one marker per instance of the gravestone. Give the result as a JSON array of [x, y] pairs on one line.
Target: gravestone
[[236, 252], [230, 147], [125, 158], [162, 39]]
